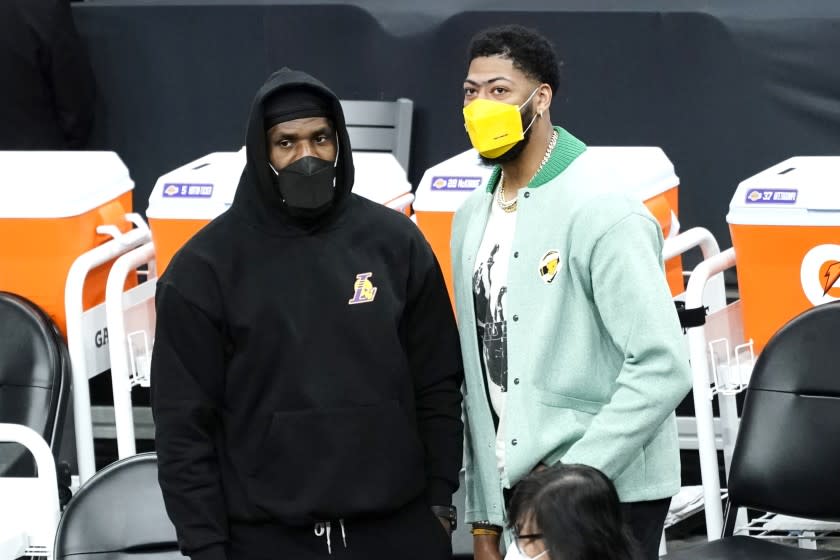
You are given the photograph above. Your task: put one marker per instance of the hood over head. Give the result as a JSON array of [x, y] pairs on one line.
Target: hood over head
[[287, 95]]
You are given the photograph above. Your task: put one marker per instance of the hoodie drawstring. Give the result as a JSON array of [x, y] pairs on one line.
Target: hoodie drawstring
[[325, 528]]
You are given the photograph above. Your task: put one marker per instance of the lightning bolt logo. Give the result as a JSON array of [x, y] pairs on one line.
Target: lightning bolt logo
[[819, 274], [832, 273]]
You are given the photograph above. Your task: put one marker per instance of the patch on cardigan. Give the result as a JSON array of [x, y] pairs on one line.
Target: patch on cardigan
[[549, 266]]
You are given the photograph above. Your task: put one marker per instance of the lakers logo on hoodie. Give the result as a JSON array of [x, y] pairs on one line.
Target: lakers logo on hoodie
[[365, 291]]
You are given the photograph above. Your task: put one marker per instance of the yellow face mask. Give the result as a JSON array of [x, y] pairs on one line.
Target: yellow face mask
[[495, 127]]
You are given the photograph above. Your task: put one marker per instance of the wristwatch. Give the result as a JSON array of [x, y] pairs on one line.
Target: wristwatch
[[450, 513]]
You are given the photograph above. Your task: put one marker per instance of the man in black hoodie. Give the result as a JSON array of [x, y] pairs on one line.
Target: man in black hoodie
[[306, 371], [48, 95]]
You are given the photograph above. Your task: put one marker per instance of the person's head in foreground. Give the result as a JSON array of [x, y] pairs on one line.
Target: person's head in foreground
[[299, 161], [568, 512], [513, 74]]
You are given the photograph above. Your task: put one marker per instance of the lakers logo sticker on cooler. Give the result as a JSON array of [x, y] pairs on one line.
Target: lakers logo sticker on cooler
[[820, 274], [549, 266], [187, 190], [455, 183], [363, 289], [772, 196]]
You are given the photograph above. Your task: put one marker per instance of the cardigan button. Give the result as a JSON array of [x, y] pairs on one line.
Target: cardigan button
[[527, 194], [515, 318], [516, 254], [516, 381], [514, 442]]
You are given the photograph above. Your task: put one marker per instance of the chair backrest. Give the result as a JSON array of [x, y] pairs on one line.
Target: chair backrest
[[380, 126], [34, 379], [118, 515], [787, 452]]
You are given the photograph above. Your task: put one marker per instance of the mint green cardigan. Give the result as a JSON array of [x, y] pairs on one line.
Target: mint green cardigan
[[596, 358]]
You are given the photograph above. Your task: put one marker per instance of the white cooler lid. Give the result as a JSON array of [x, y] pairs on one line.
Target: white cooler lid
[[445, 186], [199, 190], [59, 184], [798, 191], [379, 176], [204, 189], [644, 171]]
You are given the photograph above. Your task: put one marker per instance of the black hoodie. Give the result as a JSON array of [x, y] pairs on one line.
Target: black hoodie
[[303, 369]]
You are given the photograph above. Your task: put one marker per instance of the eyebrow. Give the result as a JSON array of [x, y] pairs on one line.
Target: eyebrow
[[490, 81], [324, 130]]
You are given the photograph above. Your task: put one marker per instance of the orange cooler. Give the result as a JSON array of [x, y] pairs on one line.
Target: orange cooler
[[188, 198], [50, 206], [645, 172], [785, 226], [442, 190]]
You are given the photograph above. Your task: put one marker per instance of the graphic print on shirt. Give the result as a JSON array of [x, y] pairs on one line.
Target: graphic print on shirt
[[489, 293]]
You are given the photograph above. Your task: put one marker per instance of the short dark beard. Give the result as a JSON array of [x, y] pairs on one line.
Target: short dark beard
[[517, 149]]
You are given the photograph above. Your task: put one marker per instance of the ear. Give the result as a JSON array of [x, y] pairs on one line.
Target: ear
[[542, 99]]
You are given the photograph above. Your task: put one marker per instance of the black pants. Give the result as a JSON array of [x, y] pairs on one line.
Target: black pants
[[413, 533], [646, 521]]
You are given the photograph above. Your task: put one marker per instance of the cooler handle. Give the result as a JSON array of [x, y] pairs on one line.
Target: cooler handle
[[113, 214], [661, 211]]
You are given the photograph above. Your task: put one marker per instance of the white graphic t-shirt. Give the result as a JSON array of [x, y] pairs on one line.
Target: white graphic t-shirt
[[490, 295]]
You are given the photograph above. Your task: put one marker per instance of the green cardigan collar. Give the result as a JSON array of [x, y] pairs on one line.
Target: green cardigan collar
[[568, 148]]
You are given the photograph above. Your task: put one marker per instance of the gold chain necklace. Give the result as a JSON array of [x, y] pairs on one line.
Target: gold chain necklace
[[510, 205]]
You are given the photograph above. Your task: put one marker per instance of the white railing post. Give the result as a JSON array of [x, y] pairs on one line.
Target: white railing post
[[117, 347], [702, 393], [29, 508], [714, 295], [76, 335]]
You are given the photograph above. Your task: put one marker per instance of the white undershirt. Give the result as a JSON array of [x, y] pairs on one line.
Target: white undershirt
[[490, 296]]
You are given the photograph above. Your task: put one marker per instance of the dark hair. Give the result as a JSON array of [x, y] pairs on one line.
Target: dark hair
[[529, 51], [576, 509]]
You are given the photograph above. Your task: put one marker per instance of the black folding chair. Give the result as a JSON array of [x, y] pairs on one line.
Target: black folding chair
[[118, 515], [787, 453], [34, 379]]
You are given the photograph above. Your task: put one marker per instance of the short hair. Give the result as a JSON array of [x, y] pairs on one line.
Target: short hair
[[577, 510], [529, 51]]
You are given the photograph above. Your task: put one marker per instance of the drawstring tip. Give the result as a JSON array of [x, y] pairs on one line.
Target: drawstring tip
[[325, 529], [320, 530]]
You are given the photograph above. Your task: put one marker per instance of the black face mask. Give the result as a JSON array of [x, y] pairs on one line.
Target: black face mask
[[307, 184]]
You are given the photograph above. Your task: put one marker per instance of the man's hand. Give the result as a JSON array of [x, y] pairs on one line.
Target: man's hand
[[447, 526], [486, 547]]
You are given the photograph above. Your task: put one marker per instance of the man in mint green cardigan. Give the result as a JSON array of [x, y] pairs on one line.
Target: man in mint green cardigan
[[572, 347]]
